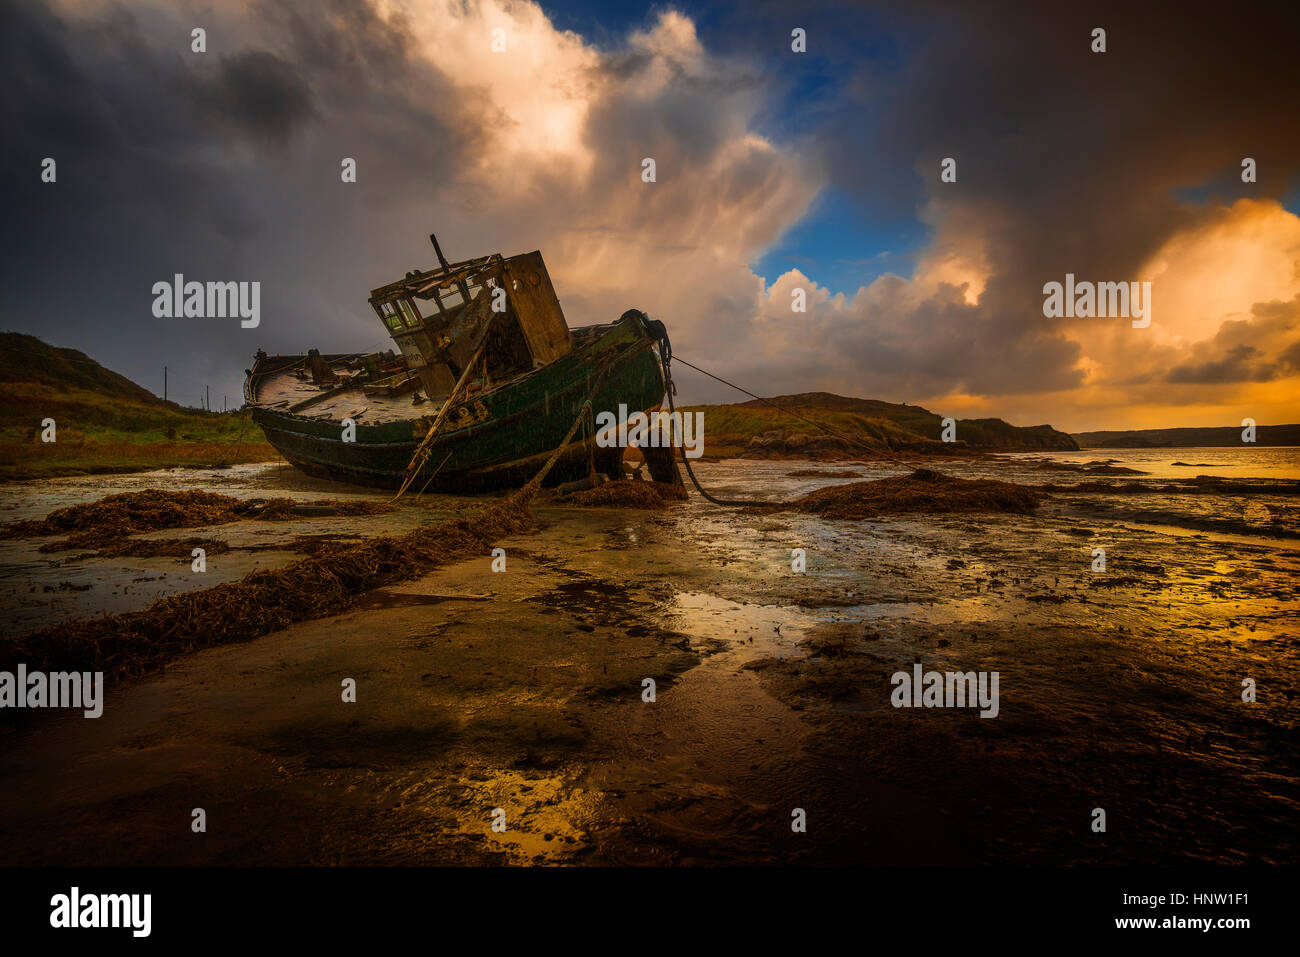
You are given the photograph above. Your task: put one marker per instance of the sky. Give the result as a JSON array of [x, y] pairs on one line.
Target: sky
[[776, 171]]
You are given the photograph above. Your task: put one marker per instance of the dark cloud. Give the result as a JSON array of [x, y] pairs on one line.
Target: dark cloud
[[1262, 348], [1240, 364], [221, 165], [260, 95]]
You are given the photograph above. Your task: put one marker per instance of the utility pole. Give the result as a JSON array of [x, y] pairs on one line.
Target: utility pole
[[164, 383], [207, 397]]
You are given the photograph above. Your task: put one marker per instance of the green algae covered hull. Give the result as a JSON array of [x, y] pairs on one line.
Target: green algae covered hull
[[496, 439]]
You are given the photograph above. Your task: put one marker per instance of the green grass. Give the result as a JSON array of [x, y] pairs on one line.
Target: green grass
[[104, 422], [100, 434]]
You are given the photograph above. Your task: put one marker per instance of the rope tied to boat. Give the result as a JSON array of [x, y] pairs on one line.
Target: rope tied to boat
[[422, 451], [659, 333], [586, 413]]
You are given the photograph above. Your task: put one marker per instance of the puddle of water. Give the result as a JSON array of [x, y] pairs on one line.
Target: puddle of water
[[541, 820], [756, 631]]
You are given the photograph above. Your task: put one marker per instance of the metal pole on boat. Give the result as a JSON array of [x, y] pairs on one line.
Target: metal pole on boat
[[438, 249], [442, 260]]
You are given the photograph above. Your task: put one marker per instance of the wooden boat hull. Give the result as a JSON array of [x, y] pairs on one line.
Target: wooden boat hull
[[498, 439]]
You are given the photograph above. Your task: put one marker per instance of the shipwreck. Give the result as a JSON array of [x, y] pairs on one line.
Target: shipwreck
[[484, 387]]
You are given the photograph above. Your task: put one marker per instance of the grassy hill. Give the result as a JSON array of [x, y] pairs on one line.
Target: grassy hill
[[105, 422], [1210, 437], [755, 428]]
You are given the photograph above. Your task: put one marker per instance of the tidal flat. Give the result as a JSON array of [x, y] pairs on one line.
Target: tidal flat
[[524, 690]]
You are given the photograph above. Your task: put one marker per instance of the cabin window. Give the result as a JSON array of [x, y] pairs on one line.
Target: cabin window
[[388, 312], [409, 313], [451, 298]]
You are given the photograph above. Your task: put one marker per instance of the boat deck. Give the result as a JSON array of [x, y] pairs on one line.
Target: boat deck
[[284, 384], [288, 387]]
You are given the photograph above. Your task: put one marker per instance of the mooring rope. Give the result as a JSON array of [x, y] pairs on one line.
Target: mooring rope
[[658, 331], [420, 457], [585, 410], [687, 462], [852, 440]]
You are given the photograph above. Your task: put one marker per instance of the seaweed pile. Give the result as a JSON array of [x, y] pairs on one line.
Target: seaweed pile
[[115, 547], [130, 512], [922, 491], [106, 524], [629, 494], [1097, 467], [263, 601]]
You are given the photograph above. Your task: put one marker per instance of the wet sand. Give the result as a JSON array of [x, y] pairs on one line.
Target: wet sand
[[522, 690]]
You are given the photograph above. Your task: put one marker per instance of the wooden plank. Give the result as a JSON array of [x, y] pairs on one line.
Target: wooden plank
[[528, 287]]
